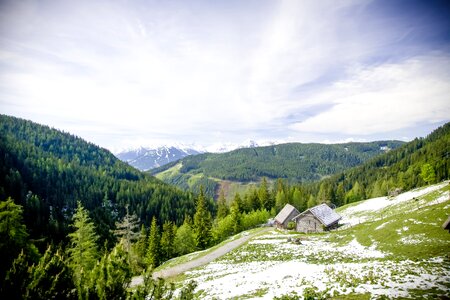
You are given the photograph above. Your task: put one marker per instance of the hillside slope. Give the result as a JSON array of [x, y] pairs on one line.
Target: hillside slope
[[47, 171], [295, 162], [399, 169], [392, 248]]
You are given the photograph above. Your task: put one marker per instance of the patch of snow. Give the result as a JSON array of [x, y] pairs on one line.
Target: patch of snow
[[443, 198], [382, 225]]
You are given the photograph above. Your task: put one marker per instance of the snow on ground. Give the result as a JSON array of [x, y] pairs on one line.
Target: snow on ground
[[266, 278], [365, 210], [270, 265]]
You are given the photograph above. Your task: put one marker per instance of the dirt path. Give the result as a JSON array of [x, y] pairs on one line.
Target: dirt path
[[176, 270]]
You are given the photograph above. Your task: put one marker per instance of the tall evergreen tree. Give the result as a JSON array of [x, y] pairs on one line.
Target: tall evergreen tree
[[202, 222], [236, 213], [153, 250], [82, 250], [264, 195], [167, 240], [222, 207]]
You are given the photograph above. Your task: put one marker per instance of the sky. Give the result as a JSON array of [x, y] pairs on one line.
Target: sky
[[123, 74]]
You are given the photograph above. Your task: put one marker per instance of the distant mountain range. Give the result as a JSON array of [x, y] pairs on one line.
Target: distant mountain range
[[149, 158]]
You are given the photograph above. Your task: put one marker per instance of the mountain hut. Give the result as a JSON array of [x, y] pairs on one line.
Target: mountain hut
[[317, 219], [285, 215]]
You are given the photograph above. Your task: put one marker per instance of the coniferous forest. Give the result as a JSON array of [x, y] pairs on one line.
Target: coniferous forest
[[75, 222]]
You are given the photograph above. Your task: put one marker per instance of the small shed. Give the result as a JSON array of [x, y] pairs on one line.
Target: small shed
[[317, 219], [446, 224], [285, 215]]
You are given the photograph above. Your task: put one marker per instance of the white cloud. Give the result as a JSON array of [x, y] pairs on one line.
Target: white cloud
[[123, 72], [385, 98]]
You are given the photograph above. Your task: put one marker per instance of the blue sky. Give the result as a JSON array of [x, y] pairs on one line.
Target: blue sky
[[130, 73]]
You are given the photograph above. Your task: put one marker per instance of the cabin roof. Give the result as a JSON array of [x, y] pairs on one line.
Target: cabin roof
[[323, 213], [285, 213], [446, 224]]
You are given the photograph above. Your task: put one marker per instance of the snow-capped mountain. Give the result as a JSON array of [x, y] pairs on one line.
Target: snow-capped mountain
[[148, 158]]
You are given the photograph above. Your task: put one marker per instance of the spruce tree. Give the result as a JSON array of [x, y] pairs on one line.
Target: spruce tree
[[202, 222], [222, 207], [264, 195], [236, 214], [82, 251], [153, 250], [167, 240]]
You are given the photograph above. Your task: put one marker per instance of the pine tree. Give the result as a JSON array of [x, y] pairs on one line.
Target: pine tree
[[202, 222], [236, 214], [153, 250], [264, 195], [222, 207], [167, 240], [82, 251]]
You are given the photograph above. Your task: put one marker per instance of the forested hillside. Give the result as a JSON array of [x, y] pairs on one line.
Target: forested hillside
[[47, 171], [295, 162], [419, 162]]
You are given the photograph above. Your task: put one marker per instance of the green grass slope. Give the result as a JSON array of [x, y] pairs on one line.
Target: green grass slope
[[387, 248]]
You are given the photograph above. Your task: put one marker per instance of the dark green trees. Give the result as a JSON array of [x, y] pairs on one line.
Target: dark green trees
[[154, 251], [202, 223]]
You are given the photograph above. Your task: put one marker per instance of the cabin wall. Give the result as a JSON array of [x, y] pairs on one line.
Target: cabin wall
[[308, 223]]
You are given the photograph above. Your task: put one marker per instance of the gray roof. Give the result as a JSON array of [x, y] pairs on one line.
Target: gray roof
[[323, 213], [285, 212], [446, 224]]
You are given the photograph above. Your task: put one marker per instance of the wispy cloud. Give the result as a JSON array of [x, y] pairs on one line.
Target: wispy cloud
[[205, 71]]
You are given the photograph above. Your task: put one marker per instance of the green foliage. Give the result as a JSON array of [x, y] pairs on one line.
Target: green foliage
[[13, 234], [222, 207], [427, 173], [140, 249], [59, 169], [82, 251], [112, 274], [167, 241], [159, 290], [153, 251], [406, 167], [202, 223], [51, 278], [184, 239]]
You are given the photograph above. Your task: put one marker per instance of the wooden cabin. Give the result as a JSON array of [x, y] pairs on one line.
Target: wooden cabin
[[317, 219], [285, 216]]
